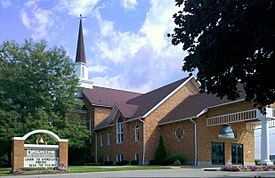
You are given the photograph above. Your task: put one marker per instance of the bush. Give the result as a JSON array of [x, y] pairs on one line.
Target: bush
[[152, 162], [160, 154], [134, 162], [122, 163], [171, 159], [108, 163], [257, 161]]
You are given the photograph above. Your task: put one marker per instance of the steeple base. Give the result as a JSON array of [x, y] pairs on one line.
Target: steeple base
[[86, 83]]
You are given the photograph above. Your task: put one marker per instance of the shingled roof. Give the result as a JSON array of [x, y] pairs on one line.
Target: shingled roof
[[193, 105], [130, 104]]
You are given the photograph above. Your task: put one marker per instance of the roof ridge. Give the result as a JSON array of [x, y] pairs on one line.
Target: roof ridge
[[121, 90], [183, 80]]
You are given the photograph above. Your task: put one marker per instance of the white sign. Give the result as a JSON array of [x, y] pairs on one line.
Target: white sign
[[40, 158]]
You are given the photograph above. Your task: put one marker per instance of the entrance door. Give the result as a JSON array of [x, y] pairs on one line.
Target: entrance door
[[237, 153], [217, 153]]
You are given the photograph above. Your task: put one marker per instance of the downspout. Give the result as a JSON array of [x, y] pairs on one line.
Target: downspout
[[143, 144], [195, 141], [96, 147]]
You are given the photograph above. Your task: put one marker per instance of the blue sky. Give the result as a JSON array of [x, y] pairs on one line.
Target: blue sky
[[125, 40], [126, 43]]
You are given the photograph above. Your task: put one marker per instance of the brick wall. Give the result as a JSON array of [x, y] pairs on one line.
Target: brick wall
[[179, 146], [128, 148], [207, 135], [152, 131]]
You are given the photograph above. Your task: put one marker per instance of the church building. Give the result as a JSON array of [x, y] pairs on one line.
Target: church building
[[203, 128]]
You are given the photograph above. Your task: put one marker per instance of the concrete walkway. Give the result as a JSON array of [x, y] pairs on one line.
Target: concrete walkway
[[182, 172]]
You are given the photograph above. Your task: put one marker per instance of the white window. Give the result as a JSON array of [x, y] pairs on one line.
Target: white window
[[119, 157], [137, 133], [119, 131], [136, 156], [109, 138], [82, 72], [102, 139]]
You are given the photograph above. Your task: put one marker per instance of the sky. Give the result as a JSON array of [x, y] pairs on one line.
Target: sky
[[126, 41]]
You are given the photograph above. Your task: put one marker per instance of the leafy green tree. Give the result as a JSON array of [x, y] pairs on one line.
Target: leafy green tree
[[229, 42], [160, 154], [38, 91]]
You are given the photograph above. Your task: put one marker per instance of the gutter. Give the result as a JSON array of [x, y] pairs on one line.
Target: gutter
[[195, 142], [143, 144], [96, 147]]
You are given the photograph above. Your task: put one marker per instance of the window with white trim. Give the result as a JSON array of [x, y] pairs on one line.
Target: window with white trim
[[109, 138], [119, 157], [227, 132], [119, 131], [102, 139], [137, 133]]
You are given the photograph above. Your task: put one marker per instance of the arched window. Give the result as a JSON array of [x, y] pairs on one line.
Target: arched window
[[119, 130], [227, 132], [137, 133]]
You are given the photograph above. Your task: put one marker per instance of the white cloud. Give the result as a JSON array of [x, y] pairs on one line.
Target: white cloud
[[5, 3], [128, 4], [98, 69], [77, 7], [37, 19], [145, 58]]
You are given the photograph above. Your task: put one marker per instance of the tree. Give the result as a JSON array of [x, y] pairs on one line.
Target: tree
[[160, 154], [37, 91], [229, 43]]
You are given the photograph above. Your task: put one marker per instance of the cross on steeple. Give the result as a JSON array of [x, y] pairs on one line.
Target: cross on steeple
[[80, 50]]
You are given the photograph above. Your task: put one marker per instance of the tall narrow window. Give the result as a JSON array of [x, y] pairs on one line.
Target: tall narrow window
[[82, 71], [102, 139], [119, 131], [109, 138], [137, 133]]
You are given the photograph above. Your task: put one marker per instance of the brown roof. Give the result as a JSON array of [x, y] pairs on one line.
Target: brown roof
[[194, 105], [131, 105], [149, 100], [108, 97]]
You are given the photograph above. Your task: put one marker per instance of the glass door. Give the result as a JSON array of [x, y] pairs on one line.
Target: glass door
[[237, 153], [217, 153]]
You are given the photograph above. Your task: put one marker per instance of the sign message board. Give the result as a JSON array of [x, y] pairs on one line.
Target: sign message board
[[40, 158]]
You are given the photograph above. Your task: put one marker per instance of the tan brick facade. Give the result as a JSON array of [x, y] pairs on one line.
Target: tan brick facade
[[185, 145], [63, 153], [18, 154]]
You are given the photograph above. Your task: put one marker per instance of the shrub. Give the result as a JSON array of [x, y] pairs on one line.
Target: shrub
[[134, 162], [160, 154], [108, 163], [172, 159], [257, 161], [153, 162], [122, 163]]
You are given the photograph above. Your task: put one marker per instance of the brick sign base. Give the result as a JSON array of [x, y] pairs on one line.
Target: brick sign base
[[58, 153]]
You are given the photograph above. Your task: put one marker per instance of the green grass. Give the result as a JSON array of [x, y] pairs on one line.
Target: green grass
[[74, 169], [4, 171], [81, 169]]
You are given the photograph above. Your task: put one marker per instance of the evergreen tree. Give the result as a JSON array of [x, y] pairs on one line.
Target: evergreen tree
[[160, 152]]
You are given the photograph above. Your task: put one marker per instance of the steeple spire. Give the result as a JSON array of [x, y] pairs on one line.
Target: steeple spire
[[80, 50]]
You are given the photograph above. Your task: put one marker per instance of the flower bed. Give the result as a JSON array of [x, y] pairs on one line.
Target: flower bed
[[248, 168]]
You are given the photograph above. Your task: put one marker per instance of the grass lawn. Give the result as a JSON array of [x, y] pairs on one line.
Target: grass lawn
[[79, 169]]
